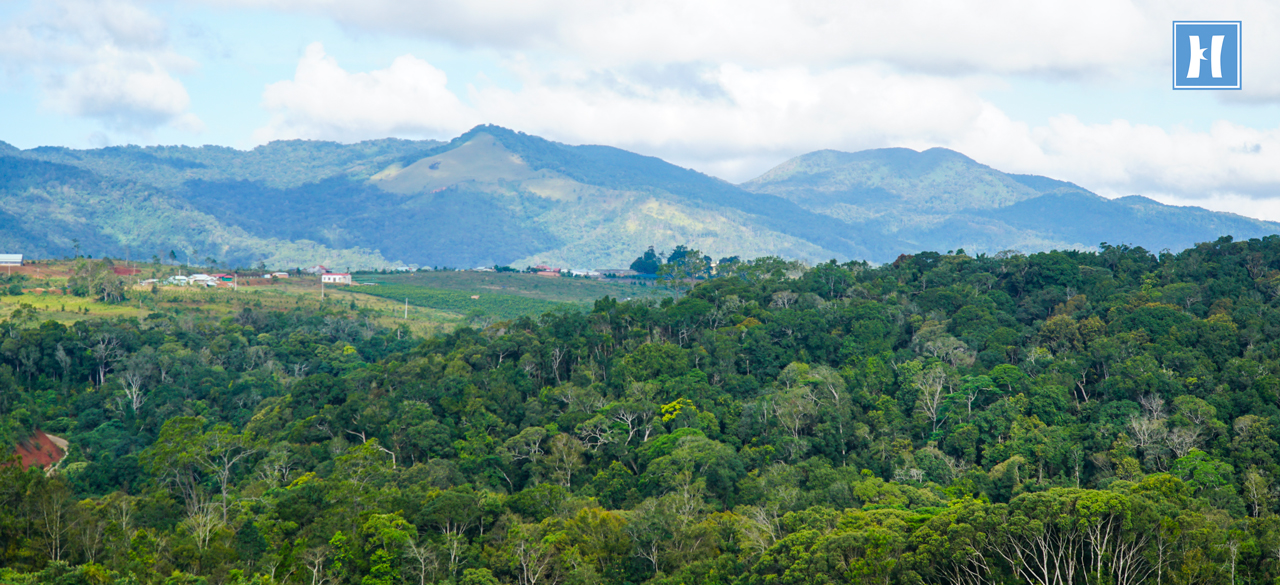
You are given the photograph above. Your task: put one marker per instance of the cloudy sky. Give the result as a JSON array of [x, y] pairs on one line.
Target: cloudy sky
[[1079, 91]]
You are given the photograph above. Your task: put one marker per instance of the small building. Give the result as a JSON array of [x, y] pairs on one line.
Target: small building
[[317, 269], [335, 278], [548, 273], [10, 259], [279, 275]]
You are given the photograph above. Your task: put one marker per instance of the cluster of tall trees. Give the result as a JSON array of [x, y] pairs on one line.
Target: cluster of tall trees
[[1057, 418], [682, 263]]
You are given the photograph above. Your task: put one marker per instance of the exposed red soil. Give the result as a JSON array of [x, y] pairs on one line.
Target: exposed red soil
[[41, 449]]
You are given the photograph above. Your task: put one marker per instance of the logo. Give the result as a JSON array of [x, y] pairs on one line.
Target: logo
[[1206, 55]]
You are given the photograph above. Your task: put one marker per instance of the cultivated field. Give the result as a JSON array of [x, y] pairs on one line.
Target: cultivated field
[[437, 301]]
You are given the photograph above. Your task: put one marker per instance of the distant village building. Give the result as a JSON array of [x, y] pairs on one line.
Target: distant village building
[[317, 269], [335, 278], [10, 259], [279, 275]]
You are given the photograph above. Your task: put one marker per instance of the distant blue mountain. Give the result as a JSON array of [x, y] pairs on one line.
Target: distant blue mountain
[[495, 196], [942, 200]]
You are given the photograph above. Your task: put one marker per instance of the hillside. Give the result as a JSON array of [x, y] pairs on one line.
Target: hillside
[[56, 210], [496, 197], [933, 420], [940, 199]]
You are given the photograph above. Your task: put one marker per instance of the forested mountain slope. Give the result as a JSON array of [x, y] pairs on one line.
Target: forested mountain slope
[[1058, 417], [56, 210], [940, 199], [494, 196]]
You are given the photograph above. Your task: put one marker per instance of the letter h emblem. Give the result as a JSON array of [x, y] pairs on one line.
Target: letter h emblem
[[1220, 68]]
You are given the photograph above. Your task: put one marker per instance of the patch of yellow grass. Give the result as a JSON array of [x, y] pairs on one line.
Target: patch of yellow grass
[[68, 309]]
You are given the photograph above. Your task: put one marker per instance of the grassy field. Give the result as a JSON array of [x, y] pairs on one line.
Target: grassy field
[[486, 296], [69, 309], [499, 306], [556, 290], [65, 308]]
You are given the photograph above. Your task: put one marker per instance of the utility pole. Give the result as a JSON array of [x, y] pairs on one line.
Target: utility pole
[[406, 307]]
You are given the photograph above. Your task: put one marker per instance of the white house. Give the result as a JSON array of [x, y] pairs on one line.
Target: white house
[[202, 279], [10, 259], [335, 278]]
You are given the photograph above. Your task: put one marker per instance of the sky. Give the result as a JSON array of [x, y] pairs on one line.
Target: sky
[[1079, 91]]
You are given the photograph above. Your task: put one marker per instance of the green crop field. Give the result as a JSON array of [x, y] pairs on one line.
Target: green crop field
[[501, 306], [581, 291]]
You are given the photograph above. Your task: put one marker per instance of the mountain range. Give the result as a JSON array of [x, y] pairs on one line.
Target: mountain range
[[495, 196]]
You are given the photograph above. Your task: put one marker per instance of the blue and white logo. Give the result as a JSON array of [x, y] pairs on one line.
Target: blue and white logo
[[1206, 55]]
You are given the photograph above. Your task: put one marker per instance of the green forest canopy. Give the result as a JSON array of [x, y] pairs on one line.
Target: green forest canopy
[[1064, 417]]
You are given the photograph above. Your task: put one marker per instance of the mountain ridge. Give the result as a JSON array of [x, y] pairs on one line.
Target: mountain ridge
[[498, 196], [1024, 212]]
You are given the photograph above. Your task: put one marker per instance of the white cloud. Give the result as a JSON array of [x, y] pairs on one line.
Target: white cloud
[[1088, 40], [104, 60], [128, 92], [934, 35], [409, 98], [1268, 209]]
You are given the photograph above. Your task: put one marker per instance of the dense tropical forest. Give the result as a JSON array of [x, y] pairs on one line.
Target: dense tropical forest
[[1057, 418]]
